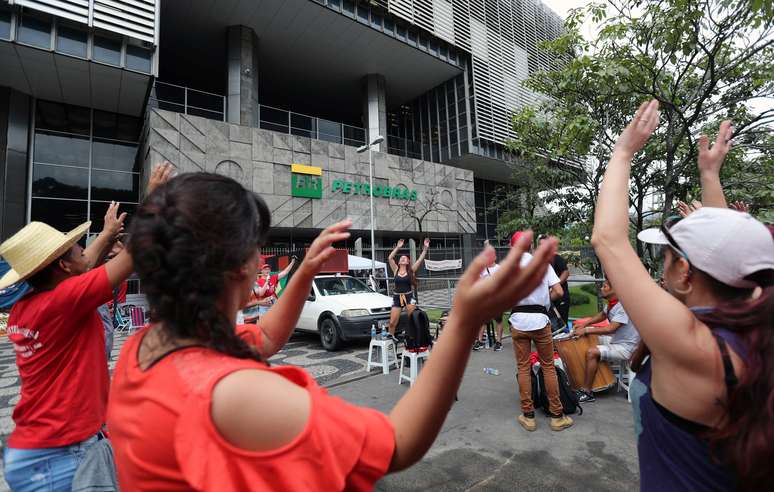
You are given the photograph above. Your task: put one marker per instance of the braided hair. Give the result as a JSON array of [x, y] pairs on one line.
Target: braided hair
[[185, 239]]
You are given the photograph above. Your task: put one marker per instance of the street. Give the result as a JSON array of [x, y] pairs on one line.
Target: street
[[480, 447]]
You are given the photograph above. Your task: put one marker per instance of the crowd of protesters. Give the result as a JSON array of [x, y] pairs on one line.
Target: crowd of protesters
[[181, 410]]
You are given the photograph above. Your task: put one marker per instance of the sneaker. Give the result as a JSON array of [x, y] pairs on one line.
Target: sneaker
[[528, 423], [560, 423], [585, 396], [498, 346], [478, 345]]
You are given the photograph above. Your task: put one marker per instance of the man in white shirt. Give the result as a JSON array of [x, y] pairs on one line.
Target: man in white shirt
[[615, 348], [530, 323]]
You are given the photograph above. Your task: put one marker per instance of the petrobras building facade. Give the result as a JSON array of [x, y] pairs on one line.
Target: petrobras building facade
[[278, 94]]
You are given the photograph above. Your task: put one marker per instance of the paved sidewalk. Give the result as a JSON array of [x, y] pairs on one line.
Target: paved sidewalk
[[482, 447]]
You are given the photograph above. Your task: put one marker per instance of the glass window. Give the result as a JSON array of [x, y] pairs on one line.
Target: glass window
[[401, 32], [138, 58], [107, 50], [5, 23], [63, 215], [71, 41], [62, 118], [335, 4], [362, 13], [35, 30], [116, 126], [60, 182], [349, 8], [412, 37], [99, 209], [389, 26], [376, 21], [110, 185], [329, 130], [116, 156], [52, 148]]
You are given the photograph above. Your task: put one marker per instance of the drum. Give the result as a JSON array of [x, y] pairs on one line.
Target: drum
[[573, 354]]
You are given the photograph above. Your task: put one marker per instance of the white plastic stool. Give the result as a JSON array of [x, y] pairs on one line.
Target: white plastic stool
[[414, 358], [625, 377], [384, 347]]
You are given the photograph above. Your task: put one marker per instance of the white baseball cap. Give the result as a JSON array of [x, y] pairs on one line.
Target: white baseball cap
[[725, 244]]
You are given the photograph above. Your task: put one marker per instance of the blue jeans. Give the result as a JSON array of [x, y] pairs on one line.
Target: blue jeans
[[44, 469]]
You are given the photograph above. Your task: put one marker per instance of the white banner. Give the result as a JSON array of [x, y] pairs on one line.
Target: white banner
[[441, 265]]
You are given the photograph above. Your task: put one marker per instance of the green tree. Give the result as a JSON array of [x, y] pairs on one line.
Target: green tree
[[703, 60]]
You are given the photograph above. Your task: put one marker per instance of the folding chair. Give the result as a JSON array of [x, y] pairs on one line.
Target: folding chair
[[137, 318], [123, 322]]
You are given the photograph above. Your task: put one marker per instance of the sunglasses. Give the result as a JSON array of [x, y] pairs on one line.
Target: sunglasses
[[665, 226]]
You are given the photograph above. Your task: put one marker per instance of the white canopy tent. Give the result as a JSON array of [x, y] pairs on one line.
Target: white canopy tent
[[360, 263]]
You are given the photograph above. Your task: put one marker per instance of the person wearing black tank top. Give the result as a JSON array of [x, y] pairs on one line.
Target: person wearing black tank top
[[699, 401], [405, 282]]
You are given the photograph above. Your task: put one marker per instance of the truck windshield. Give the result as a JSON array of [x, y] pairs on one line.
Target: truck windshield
[[335, 286]]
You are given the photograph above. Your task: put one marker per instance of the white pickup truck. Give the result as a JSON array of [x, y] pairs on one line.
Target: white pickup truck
[[342, 308]]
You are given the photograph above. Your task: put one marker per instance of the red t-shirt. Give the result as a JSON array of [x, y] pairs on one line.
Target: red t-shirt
[[164, 438], [60, 351]]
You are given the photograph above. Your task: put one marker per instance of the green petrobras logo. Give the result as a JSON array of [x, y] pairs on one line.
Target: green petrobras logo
[[306, 182], [354, 188]]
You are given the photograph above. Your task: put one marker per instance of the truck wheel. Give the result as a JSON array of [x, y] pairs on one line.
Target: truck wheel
[[329, 334]]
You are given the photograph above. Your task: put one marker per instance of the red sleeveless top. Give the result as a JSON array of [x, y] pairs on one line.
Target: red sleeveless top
[[164, 437]]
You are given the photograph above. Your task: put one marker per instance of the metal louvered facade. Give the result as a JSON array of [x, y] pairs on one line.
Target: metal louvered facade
[[137, 19], [502, 38]]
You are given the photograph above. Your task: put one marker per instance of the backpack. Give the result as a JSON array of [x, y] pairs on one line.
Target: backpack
[[567, 396], [418, 331]]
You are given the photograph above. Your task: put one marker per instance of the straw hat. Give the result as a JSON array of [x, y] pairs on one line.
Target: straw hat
[[34, 247]]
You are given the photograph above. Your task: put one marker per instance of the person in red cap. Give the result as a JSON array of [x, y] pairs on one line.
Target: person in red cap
[[265, 291], [530, 323], [703, 400]]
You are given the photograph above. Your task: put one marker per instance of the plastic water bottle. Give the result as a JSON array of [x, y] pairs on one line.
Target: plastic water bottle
[[384, 333], [491, 371], [568, 329], [373, 331]]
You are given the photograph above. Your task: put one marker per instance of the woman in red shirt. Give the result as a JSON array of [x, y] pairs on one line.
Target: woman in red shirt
[[193, 405]]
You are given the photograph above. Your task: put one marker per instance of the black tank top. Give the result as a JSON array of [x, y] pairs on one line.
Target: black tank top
[[402, 284]]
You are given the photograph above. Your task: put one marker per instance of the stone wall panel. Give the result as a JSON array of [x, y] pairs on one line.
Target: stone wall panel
[[260, 160]]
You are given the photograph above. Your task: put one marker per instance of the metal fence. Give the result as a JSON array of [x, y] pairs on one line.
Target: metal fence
[[180, 99]]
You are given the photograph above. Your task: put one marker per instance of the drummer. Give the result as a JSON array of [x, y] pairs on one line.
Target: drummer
[[617, 340]]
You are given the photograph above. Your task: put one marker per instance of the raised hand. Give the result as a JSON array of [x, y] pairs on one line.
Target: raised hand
[[685, 209], [322, 247], [740, 206], [160, 175], [400, 244], [639, 130], [711, 159], [479, 299], [427, 242], [114, 223]]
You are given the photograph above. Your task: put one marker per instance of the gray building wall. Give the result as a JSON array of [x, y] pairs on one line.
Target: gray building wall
[[261, 160]]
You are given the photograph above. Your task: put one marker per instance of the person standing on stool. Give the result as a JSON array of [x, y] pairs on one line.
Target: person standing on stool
[[405, 283], [530, 323]]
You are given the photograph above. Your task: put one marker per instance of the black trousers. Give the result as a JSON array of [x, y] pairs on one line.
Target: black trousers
[[563, 306]]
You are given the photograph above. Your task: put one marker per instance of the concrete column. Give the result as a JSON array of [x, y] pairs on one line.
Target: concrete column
[[14, 137], [375, 108], [242, 101]]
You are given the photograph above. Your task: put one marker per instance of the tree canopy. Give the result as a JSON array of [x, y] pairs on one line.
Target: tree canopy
[[705, 61]]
